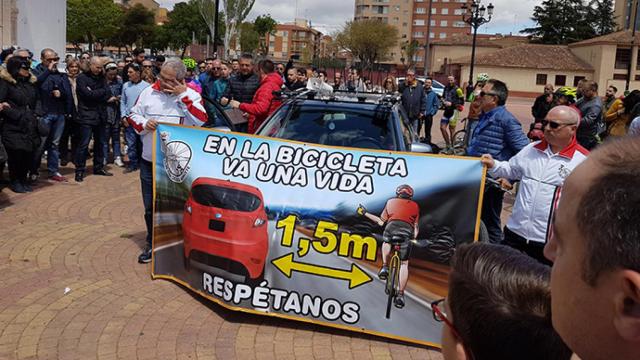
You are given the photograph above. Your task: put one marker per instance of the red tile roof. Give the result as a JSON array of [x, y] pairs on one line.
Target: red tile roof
[[531, 56]]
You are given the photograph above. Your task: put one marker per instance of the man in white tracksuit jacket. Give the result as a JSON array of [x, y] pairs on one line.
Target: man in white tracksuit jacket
[[542, 168], [170, 101]]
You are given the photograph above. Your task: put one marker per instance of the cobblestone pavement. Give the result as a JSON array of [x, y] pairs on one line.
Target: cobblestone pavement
[[86, 238]]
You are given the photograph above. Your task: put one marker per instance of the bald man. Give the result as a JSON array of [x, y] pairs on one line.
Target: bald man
[[93, 96], [542, 167]]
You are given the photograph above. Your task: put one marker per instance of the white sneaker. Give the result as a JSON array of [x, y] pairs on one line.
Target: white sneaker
[[118, 161]]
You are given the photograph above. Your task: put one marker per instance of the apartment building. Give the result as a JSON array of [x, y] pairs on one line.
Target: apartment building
[[412, 18], [624, 12], [298, 40], [395, 12]]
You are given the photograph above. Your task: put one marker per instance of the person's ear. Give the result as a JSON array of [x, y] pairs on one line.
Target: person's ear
[[627, 307]]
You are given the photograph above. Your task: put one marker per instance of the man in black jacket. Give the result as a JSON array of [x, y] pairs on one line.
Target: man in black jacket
[[242, 86], [56, 100], [93, 96], [543, 104], [413, 99]]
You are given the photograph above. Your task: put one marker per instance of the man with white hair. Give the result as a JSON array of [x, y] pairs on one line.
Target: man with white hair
[[170, 101]]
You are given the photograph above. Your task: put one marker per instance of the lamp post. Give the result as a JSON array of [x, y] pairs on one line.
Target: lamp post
[[474, 16]]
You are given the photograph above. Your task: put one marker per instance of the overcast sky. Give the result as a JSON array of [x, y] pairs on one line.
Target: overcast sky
[[329, 15]]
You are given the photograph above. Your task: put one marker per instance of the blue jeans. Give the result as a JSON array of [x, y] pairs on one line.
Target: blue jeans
[[146, 183], [84, 133], [133, 145], [111, 132], [51, 143]]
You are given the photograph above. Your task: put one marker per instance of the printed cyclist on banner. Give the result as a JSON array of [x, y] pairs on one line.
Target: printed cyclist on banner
[[177, 156]]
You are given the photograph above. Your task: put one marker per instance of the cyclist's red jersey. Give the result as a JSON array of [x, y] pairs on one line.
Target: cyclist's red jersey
[[401, 209]]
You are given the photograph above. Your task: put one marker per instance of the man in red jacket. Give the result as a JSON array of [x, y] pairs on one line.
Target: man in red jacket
[[264, 103]]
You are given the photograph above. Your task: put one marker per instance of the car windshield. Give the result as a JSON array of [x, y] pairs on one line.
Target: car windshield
[[358, 128], [225, 198]]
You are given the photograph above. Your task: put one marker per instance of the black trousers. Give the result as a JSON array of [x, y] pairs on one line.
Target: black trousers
[[428, 123], [491, 210], [69, 134], [531, 248], [19, 163], [84, 133]]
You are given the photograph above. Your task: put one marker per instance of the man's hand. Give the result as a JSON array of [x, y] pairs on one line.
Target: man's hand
[[234, 104], [52, 65], [56, 93], [124, 121], [175, 87], [224, 101], [151, 125], [505, 184], [361, 210], [420, 116], [112, 99], [4, 105], [487, 160], [447, 103]]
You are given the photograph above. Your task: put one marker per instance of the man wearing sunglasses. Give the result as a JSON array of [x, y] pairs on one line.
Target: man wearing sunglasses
[[56, 100], [500, 134], [541, 167]]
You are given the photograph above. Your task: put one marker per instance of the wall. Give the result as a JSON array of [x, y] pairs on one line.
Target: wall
[[42, 24], [441, 52], [602, 58], [523, 81]]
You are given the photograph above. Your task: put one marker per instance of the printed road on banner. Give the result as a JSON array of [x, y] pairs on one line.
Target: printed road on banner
[[299, 231]]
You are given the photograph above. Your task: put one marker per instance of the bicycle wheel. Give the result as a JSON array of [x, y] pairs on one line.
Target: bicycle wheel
[[392, 282], [459, 142]]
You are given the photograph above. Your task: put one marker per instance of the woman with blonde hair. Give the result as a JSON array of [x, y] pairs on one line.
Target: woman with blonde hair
[[389, 85]]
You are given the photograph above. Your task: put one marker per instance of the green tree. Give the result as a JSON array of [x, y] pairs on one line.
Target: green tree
[[92, 21], [249, 38], [367, 40], [409, 50], [263, 25], [561, 22], [602, 16], [137, 27], [183, 24], [235, 12]]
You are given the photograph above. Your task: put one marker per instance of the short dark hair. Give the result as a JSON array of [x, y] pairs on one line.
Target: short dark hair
[[615, 89], [323, 72], [246, 56], [302, 71], [209, 59], [498, 293], [590, 85], [267, 66], [160, 58], [137, 51], [500, 89], [609, 218]]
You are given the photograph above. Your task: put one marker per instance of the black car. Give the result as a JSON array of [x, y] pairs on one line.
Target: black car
[[366, 121]]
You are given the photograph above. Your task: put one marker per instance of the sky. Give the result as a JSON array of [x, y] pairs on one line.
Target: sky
[[329, 15]]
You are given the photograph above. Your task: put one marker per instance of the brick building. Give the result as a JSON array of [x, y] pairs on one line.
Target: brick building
[[298, 40], [411, 18]]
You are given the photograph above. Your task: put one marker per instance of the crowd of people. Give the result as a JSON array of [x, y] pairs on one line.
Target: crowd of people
[[575, 211]]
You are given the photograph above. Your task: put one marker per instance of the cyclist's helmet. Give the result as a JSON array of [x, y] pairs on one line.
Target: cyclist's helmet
[[570, 93], [189, 63], [404, 191], [483, 77]]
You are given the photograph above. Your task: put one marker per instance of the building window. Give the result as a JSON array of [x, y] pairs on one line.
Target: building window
[[444, 23], [619, 76], [623, 58], [421, 10], [418, 22], [576, 80], [541, 79], [445, 11], [443, 35], [561, 80]]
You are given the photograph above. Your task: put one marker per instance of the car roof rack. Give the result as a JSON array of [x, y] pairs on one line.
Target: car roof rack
[[343, 96]]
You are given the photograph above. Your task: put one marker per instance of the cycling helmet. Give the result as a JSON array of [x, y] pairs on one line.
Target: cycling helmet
[[569, 92], [404, 191], [189, 63], [483, 77]]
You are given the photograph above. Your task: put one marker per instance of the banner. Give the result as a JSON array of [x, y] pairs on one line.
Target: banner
[[299, 231]]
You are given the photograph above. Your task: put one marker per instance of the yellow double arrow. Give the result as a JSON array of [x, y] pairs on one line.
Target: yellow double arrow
[[355, 276]]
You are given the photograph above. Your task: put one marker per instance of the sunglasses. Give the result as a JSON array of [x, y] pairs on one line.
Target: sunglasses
[[53, 59], [216, 68], [482, 93], [147, 66], [552, 124]]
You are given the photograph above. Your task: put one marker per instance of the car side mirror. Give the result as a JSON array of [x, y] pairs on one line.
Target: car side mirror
[[421, 148]]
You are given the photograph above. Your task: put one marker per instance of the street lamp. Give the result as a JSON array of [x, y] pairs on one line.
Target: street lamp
[[474, 16]]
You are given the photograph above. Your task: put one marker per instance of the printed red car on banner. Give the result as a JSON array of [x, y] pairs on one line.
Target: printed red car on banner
[[225, 226]]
